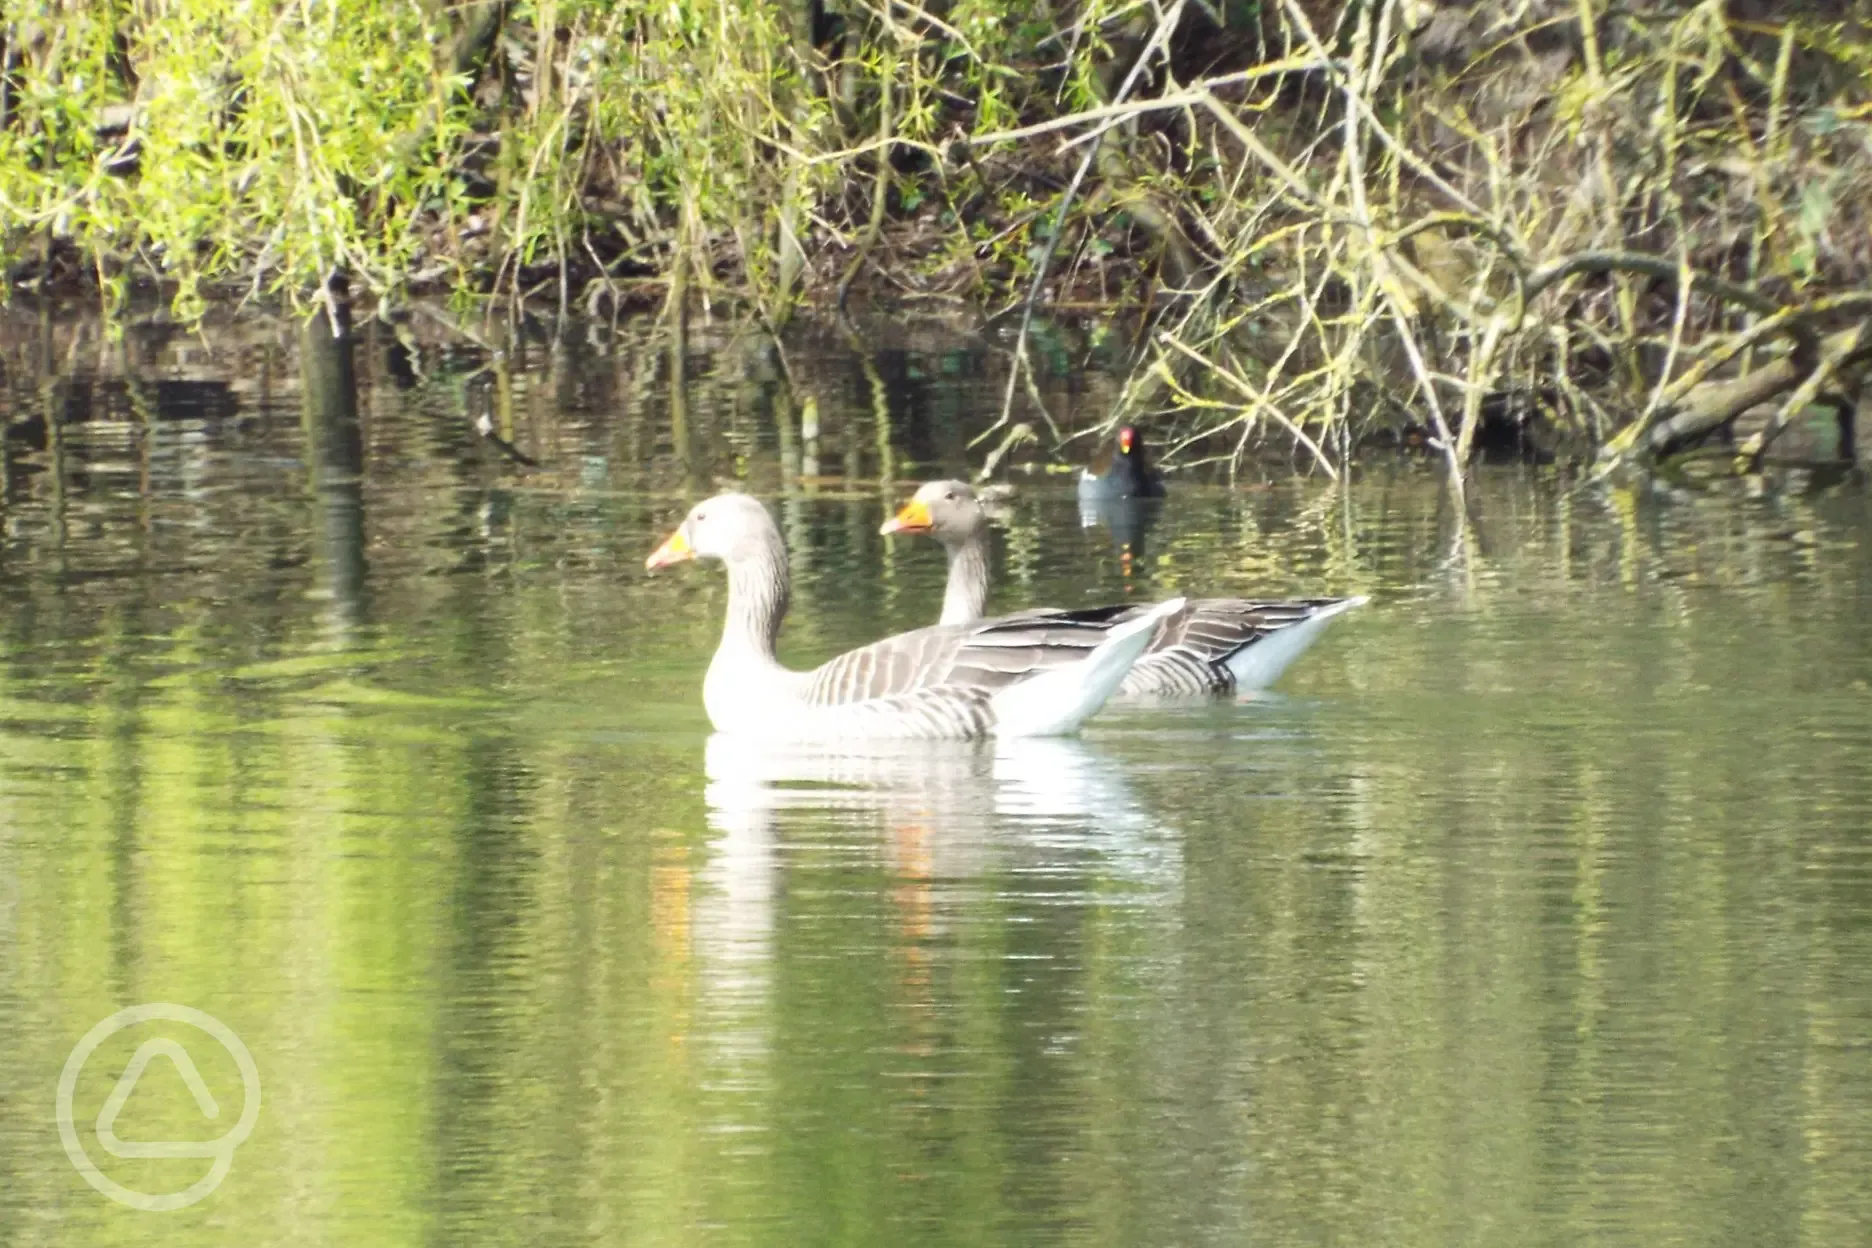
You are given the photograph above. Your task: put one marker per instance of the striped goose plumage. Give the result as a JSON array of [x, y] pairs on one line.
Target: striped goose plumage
[[1035, 674], [1215, 645]]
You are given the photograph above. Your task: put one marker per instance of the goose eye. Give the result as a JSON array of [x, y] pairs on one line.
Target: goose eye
[[949, 498]]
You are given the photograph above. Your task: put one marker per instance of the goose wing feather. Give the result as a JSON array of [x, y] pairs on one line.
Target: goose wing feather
[[988, 655], [1189, 653], [1197, 651], [933, 714], [1217, 627]]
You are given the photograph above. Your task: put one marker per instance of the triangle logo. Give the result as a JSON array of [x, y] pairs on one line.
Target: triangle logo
[[178, 1056]]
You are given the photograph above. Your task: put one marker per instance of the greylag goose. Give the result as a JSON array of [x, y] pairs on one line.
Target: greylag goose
[[1038, 674], [1123, 473], [1217, 645]]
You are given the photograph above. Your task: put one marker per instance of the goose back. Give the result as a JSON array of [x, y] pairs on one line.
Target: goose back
[[988, 654], [1219, 645], [1215, 645]]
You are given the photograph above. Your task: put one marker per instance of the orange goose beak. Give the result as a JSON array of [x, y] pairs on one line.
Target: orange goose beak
[[912, 517], [675, 549]]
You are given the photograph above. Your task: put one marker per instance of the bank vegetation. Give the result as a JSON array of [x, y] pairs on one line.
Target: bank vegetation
[[1630, 227]]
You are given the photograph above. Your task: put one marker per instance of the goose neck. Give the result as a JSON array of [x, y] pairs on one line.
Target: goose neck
[[757, 602], [965, 597]]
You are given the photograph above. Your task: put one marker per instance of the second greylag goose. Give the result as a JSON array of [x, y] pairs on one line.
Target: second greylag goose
[[1038, 674], [1215, 646]]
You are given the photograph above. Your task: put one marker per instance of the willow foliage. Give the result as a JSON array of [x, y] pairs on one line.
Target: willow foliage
[[269, 142]]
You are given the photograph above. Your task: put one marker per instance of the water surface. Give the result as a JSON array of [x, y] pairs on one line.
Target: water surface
[[1534, 907]]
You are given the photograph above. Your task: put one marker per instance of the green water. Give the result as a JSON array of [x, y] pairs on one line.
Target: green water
[[1535, 908]]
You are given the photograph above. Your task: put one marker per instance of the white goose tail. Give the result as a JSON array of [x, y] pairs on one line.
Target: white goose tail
[[1058, 700], [1259, 665]]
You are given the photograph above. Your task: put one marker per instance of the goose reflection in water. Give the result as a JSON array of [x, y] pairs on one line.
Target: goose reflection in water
[[955, 816], [1040, 799]]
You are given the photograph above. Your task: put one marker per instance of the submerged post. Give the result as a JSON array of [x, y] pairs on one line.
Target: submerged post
[[334, 447]]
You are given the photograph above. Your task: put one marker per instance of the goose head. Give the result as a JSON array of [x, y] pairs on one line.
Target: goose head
[[733, 528], [945, 510]]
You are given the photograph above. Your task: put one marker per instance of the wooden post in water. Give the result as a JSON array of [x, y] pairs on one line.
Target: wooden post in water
[[334, 449], [52, 391]]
